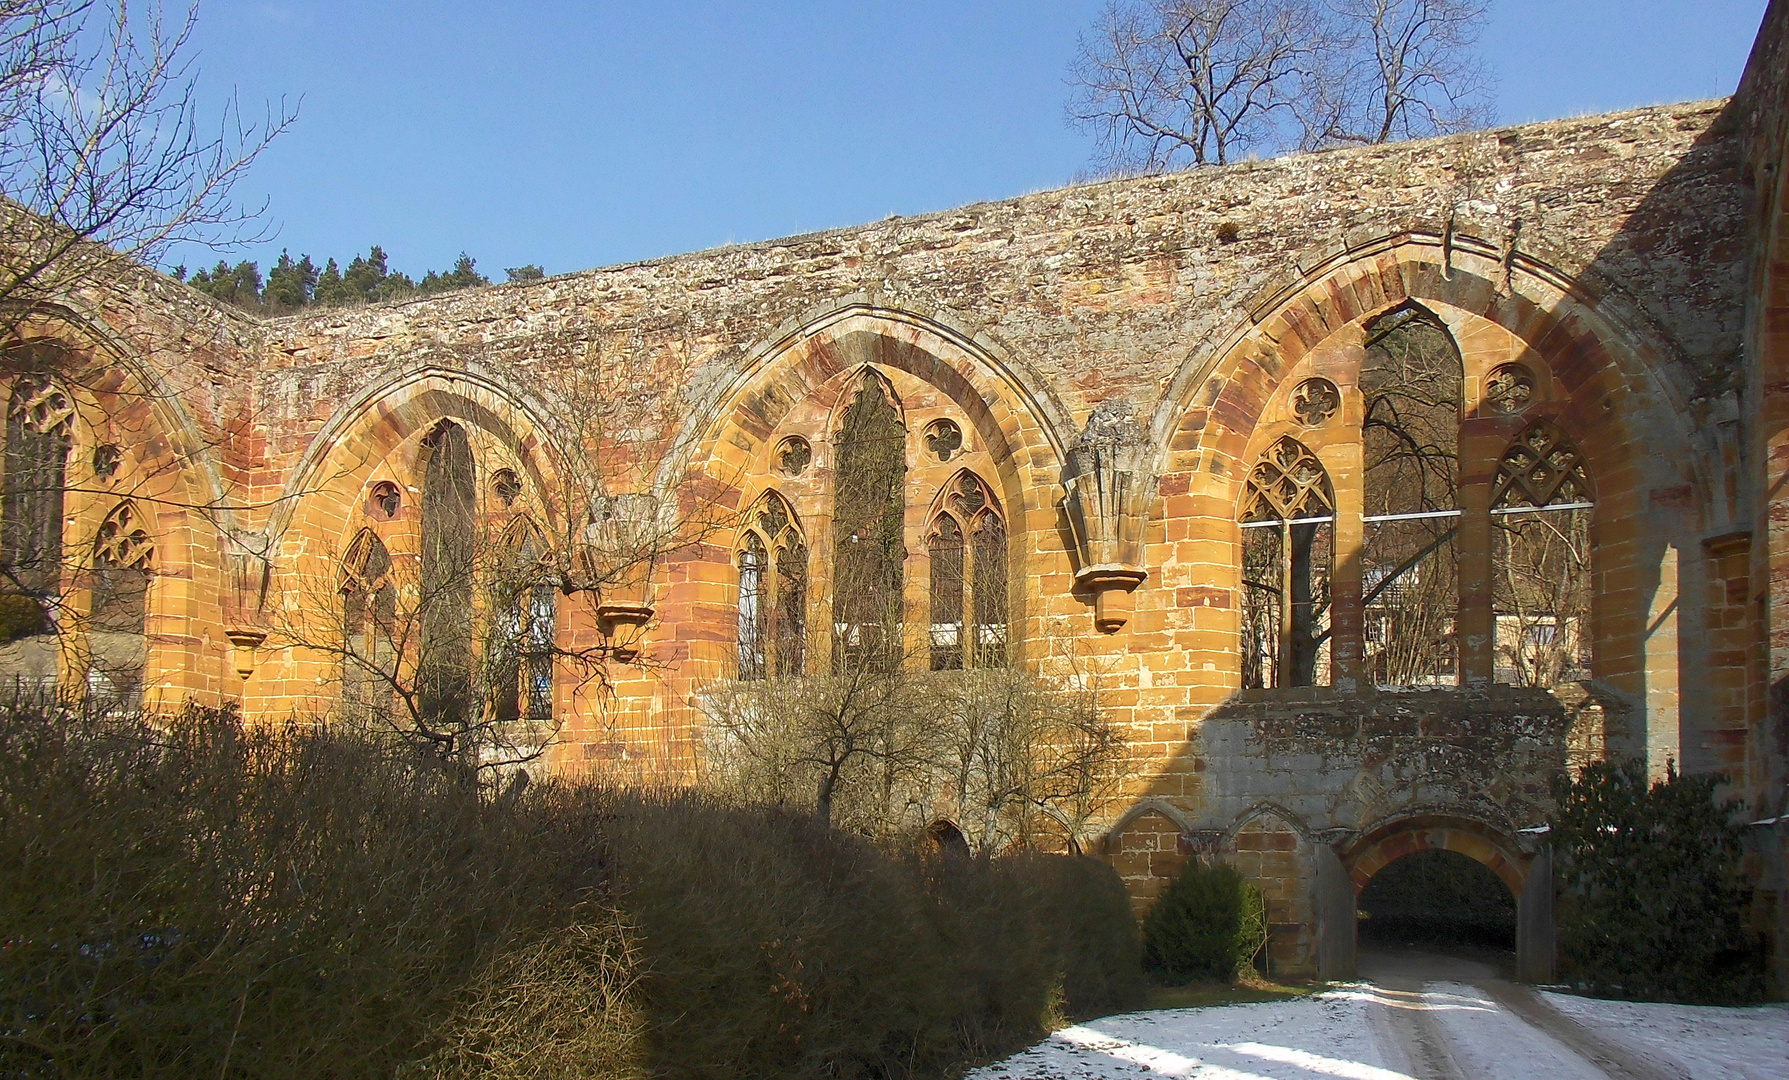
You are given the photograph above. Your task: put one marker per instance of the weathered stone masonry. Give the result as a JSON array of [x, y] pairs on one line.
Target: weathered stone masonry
[[1117, 357]]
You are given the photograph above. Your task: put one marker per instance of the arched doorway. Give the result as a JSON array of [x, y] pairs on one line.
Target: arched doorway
[[1446, 871], [1437, 899]]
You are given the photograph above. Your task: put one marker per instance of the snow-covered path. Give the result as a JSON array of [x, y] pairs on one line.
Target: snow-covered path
[[1398, 1028]]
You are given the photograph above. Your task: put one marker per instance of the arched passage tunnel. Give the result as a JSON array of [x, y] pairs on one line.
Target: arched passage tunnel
[[1440, 881]]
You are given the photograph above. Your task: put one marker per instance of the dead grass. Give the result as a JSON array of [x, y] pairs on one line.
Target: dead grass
[[1248, 990]]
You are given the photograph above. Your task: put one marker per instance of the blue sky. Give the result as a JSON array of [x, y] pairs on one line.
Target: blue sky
[[576, 135]]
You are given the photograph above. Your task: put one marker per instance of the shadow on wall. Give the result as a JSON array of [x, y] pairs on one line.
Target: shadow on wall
[[1310, 792]]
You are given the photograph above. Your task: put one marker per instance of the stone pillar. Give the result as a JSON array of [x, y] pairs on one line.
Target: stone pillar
[[1476, 632], [1337, 924], [1535, 939], [1345, 617], [1663, 740]]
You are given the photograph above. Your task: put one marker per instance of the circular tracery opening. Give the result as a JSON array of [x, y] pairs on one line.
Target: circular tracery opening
[[793, 455], [507, 486], [1437, 898], [944, 438], [384, 500]]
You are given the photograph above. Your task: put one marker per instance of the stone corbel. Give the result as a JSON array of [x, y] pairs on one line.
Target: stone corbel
[[621, 544], [247, 573], [1106, 499]]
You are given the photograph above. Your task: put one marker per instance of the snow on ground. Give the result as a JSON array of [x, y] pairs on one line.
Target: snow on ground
[[1350, 1033], [1705, 1042]]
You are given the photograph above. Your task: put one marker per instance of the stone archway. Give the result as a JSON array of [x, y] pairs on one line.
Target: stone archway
[[1529, 878]]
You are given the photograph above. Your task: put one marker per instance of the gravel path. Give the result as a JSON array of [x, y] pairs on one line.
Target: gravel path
[[1419, 1018]]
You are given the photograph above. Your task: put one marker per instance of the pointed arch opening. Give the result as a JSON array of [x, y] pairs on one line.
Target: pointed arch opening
[[1541, 509], [1412, 381], [869, 552], [39, 432], [520, 642], [118, 610], [968, 598], [772, 558], [1288, 540], [369, 602], [449, 549]]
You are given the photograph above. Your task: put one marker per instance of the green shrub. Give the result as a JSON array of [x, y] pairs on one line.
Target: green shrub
[[1210, 923], [1651, 898], [21, 616]]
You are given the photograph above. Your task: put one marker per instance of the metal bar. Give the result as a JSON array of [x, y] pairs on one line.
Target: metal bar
[[1542, 509], [1287, 521], [1373, 518]]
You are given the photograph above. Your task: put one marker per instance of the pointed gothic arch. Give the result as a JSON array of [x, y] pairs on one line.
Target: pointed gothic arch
[[523, 617], [771, 555], [1542, 505], [1288, 528], [869, 510], [369, 614], [40, 419], [118, 608], [968, 591], [449, 557]]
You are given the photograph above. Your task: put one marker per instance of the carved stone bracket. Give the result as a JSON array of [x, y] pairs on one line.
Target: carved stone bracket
[[620, 546], [247, 573], [1106, 499]]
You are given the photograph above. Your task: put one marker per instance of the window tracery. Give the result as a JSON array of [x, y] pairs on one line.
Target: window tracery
[[123, 561], [1287, 516], [369, 612], [1540, 595], [773, 575], [39, 432], [968, 586], [521, 641]]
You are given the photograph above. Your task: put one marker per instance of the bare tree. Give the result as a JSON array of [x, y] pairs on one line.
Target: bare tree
[[1400, 69], [105, 158], [1168, 83], [1164, 83]]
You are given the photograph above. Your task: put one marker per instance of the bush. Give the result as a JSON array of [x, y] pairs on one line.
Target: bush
[[777, 947], [1209, 923], [1652, 902], [195, 899]]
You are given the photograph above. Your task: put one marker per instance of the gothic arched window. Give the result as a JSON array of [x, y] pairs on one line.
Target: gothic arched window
[[444, 663], [123, 559], [39, 429], [870, 451], [1540, 536], [773, 592], [369, 610], [522, 631], [967, 545], [1288, 530], [1411, 381]]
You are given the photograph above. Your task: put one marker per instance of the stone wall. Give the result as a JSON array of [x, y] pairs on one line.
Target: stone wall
[[1117, 355]]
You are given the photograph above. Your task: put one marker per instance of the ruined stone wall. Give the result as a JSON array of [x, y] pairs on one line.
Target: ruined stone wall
[[1116, 355]]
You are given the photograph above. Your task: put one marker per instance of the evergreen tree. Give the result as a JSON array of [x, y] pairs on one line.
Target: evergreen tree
[[239, 284], [290, 285], [331, 289], [531, 272], [462, 276]]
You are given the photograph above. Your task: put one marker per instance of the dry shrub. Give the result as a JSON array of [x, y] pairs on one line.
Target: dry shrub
[[777, 947], [195, 899], [558, 1008]]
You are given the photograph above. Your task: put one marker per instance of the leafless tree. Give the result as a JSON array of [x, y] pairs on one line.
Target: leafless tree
[[1164, 83], [1398, 69], [1168, 83], [105, 156]]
